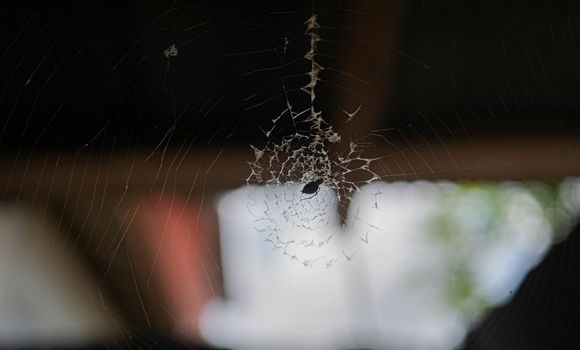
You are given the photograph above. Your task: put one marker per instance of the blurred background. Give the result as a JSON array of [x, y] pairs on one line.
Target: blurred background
[[126, 219]]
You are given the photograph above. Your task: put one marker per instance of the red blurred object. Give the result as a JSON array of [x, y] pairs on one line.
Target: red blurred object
[[182, 240]]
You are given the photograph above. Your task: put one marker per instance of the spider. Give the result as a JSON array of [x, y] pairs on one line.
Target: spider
[[312, 188]]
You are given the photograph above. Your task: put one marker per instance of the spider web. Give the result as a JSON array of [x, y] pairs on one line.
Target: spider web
[[118, 120], [307, 156]]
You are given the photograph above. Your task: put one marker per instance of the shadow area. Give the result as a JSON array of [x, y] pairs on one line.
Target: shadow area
[[545, 311]]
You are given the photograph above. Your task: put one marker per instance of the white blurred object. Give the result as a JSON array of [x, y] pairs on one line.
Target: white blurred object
[[392, 290], [46, 297]]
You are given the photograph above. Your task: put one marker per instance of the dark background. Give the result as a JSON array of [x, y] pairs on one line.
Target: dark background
[[475, 69]]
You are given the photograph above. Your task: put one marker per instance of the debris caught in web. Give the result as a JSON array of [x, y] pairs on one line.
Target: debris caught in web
[[171, 51]]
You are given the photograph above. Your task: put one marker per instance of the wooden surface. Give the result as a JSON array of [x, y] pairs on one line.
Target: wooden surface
[[211, 170]]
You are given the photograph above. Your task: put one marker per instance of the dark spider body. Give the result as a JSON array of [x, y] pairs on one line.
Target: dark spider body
[[311, 187]]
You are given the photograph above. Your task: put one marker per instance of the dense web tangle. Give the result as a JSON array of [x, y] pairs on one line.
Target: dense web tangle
[[307, 177]]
